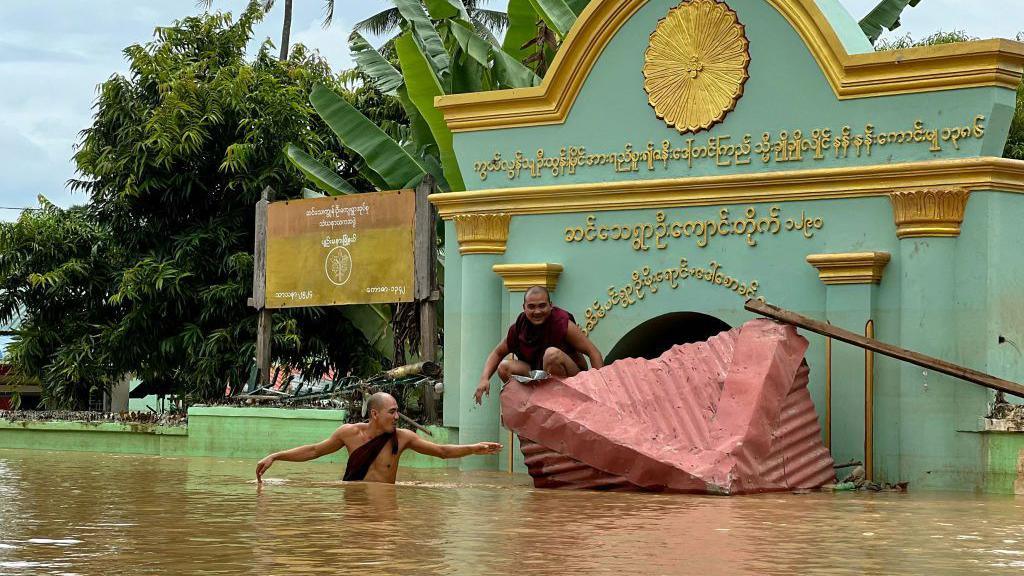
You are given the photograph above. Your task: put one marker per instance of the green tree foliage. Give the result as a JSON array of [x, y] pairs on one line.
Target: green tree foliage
[[178, 154], [55, 271], [1015, 140]]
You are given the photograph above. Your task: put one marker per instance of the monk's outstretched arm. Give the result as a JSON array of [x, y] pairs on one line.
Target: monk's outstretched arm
[[446, 451], [490, 366], [578, 340], [335, 442]]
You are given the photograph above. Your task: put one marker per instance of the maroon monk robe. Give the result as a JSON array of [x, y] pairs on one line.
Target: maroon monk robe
[[528, 341], [359, 462]]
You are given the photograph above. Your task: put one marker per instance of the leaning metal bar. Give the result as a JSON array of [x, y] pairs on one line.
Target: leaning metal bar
[[941, 366], [869, 405]]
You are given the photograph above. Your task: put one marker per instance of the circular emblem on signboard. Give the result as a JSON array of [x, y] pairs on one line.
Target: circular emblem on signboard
[[696, 64], [338, 265]]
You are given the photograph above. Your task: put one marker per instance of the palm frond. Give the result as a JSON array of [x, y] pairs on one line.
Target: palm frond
[[381, 23], [328, 12], [495, 20]]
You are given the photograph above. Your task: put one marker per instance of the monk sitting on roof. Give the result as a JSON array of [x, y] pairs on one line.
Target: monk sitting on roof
[[374, 447], [544, 337]]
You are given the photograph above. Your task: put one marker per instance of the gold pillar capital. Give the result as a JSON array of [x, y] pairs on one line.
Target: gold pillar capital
[[482, 233], [929, 212], [850, 267], [520, 277]]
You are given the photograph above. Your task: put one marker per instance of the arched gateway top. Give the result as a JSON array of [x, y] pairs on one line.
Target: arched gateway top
[[995, 62]]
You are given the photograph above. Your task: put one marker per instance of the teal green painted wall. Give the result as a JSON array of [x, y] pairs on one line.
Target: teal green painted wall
[[786, 91], [95, 437], [453, 389], [225, 432]]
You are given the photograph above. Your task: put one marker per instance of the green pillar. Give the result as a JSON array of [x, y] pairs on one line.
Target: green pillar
[[482, 239], [851, 301], [932, 453]]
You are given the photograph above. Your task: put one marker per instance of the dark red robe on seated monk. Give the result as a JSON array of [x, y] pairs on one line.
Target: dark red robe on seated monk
[[528, 341], [359, 462]]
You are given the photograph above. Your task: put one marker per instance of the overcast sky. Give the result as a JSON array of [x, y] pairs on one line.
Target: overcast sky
[[53, 53]]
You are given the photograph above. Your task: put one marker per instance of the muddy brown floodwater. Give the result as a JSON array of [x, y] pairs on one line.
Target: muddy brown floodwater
[[84, 513]]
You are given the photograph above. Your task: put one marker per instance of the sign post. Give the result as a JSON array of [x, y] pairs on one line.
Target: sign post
[[259, 291], [426, 283]]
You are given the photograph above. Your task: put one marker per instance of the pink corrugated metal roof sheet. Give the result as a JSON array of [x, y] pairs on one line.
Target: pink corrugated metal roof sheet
[[730, 415]]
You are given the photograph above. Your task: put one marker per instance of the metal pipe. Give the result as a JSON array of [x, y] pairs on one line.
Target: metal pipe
[[828, 393], [869, 404], [511, 445]]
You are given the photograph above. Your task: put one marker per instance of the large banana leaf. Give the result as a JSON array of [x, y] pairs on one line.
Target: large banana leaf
[[426, 36], [385, 76], [508, 72], [577, 6], [423, 86], [382, 155], [885, 15], [476, 47], [325, 178], [442, 9], [556, 13], [522, 26], [419, 131], [468, 76], [374, 321]]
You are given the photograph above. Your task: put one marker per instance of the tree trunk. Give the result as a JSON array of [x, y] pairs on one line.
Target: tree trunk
[[286, 30]]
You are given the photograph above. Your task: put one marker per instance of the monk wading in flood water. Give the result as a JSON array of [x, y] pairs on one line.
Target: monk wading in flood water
[[375, 447]]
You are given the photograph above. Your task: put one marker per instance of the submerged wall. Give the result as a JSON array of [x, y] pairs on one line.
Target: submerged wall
[[220, 432]]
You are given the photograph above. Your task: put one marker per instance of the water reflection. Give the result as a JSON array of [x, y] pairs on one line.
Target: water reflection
[[99, 514]]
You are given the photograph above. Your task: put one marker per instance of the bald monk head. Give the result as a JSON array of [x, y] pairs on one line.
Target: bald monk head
[[383, 410]]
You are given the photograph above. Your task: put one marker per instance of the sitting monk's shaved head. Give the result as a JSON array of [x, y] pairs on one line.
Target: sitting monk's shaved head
[[537, 290]]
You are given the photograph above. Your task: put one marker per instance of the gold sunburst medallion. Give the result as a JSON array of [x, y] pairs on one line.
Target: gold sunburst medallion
[[696, 64]]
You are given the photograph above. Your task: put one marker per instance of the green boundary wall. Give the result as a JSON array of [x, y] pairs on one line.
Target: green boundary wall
[[223, 432]]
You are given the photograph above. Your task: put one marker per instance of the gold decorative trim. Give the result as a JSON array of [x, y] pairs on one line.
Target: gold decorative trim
[[924, 69], [850, 268], [482, 233], [520, 277], [929, 212], [696, 64], [985, 173]]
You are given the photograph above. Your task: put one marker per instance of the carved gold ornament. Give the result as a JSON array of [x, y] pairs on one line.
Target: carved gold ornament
[[696, 64]]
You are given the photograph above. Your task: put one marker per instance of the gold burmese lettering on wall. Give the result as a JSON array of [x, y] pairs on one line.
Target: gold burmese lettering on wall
[[782, 148], [646, 281], [641, 234]]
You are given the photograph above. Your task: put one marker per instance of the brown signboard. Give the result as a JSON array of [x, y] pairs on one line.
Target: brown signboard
[[354, 249]]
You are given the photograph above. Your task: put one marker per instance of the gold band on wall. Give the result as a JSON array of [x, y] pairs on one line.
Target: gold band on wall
[[482, 233], [521, 277], [934, 212], [850, 268], [987, 173]]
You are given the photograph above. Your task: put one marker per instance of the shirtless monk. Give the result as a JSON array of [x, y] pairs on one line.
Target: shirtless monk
[[544, 337], [374, 447]]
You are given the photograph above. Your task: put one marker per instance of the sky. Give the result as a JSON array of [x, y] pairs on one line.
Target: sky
[[54, 53]]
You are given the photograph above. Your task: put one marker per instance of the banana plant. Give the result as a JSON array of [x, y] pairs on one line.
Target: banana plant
[[440, 51], [885, 15]]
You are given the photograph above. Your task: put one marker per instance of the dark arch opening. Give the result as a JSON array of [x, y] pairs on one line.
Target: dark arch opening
[[653, 337]]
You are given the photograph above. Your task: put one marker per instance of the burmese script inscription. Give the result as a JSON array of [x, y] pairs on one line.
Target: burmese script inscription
[[658, 233], [645, 281], [724, 150]]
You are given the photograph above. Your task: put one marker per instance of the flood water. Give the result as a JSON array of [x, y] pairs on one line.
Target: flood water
[[84, 513]]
